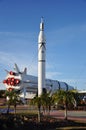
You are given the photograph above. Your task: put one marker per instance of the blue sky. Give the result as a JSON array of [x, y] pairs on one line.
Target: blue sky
[[65, 30]]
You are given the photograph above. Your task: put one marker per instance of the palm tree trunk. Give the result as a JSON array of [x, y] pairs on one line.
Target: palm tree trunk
[[49, 109], [66, 113], [39, 114], [66, 104], [8, 109], [15, 109], [43, 109], [66, 110]]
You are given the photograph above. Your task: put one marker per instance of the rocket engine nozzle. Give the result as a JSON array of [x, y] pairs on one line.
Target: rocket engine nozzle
[[11, 81], [12, 73]]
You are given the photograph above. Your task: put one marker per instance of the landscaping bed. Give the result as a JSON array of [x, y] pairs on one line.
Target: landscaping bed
[[30, 122]]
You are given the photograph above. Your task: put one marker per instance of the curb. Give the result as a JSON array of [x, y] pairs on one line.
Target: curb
[[71, 128]]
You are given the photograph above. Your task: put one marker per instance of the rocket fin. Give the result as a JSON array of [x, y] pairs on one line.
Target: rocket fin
[[7, 71], [25, 71], [16, 68]]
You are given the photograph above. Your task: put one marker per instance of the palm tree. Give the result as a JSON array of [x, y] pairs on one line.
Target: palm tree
[[47, 101], [44, 101], [2, 93], [38, 102], [12, 99], [65, 98], [76, 97]]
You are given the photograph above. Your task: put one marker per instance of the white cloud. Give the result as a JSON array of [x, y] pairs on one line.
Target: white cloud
[[53, 75], [9, 59], [70, 81], [66, 34], [18, 34], [24, 58], [6, 58], [76, 83]]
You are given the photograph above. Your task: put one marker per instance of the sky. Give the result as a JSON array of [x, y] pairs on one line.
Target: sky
[[65, 31]]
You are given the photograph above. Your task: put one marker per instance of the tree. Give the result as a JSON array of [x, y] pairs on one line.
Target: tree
[[2, 93], [37, 101], [12, 99], [44, 101], [77, 98], [65, 98], [47, 101]]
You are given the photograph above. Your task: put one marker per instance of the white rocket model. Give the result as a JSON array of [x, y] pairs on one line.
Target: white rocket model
[[41, 58], [28, 84]]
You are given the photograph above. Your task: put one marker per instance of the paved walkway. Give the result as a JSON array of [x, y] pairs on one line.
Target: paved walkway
[[72, 115]]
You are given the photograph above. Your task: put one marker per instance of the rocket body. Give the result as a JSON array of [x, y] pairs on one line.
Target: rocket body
[[41, 58]]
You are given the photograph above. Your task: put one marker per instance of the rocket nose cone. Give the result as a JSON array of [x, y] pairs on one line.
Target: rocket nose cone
[[41, 37], [42, 24]]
